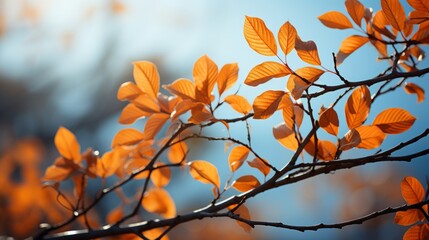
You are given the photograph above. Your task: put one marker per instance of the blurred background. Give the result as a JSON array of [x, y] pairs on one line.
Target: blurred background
[[62, 61]]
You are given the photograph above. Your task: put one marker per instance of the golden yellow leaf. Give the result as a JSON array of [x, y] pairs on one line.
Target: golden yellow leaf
[[67, 144], [266, 104], [147, 78], [412, 88], [260, 165], [205, 75], [239, 103], [371, 136], [301, 80], [266, 71], [356, 10], [246, 183], [128, 91], [357, 107], [394, 13], [131, 113], [146, 103], [154, 124], [394, 120], [127, 136], [349, 45], [183, 88], [285, 136], [228, 75], [287, 35], [204, 172], [237, 156], [161, 176], [259, 37], [417, 232], [412, 190], [328, 120], [182, 107], [243, 212], [350, 140], [158, 201], [307, 51], [335, 19]]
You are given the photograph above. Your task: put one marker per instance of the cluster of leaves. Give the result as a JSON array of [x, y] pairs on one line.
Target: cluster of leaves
[[193, 105]]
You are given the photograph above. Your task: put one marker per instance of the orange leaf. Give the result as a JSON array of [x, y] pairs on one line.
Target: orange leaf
[[328, 120], [57, 173], [266, 104], [412, 190], [259, 37], [285, 136], [335, 19], [204, 172], [153, 234], [182, 88], [349, 45], [379, 23], [307, 51], [266, 71], [182, 107], [128, 91], [159, 201], [127, 136], [357, 107], [260, 165], [177, 152], [326, 150], [237, 156], [239, 103], [394, 13], [228, 75], [243, 212], [371, 137], [147, 77], [137, 164], [419, 5], [154, 124], [131, 113], [67, 144], [406, 218], [417, 232], [356, 10], [115, 215], [205, 75], [200, 114], [287, 35], [161, 176], [246, 183], [292, 115], [350, 140], [108, 164], [301, 80], [394, 120], [412, 88], [167, 103], [146, 103]]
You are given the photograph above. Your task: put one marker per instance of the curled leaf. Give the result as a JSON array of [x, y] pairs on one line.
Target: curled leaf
[[307, 51], [350, 140], [158, 201], [261, 165], [412, 88]]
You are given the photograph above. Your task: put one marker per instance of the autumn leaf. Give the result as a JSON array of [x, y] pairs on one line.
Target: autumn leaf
[[108, 164], [115, 215], [228, 75], [204, 172], [350, 140], [57, 173], [167, 103], [326, 150], [266, 71], [261, 165], [394, 120], [371, 137], [292, 115], [335, 19], [412, 190], [137, 164], [417, 232], [307, 51], [349, 45], [205, 75], [147, 77], [356, 10], [409, 217], [128, 91], [328, 120], [183, 88], [243, 212], [67, 144], [357, 107], [412, 88], [239, 103], [154, 124], [419, 5], [266, 104], [285, 136], [299, 81], [287, 35], [394, 13], [127, 136], [259, 37], [158, 201], [131, 113], [161, 176], [146, 103], [237, 157], [177, 152], [246, 183]]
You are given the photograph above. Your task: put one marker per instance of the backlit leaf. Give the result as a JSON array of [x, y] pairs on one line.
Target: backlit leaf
[[326, 150], [260, 165], [266, 71], [293, 115], [128, 90], [131, 113], [356, 10], [349, 45], [302, 79], [205, 73], [266, 104], [137, 164], [406, 218], [154, 124], [412, 88], [167, 103], [243, 212], [412, 190], [239, 103], [115, 215], [147, 77], [56, 173], [417, 232], [259, 37], [371, 137], [200, 114], [287, 35], [357, 107], [158, 201], [108, 164], [146, 103], [419, 5], [328, 120], [228, 75], [285, 136], [127, 136], [67, 144], [237, 157], [161, 176], [350, 140], [379, 23], [183, 88], [394, 120], [204, 172], [394, 13], [307, 51], [177, 152], [335, 19], [246, 183]]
